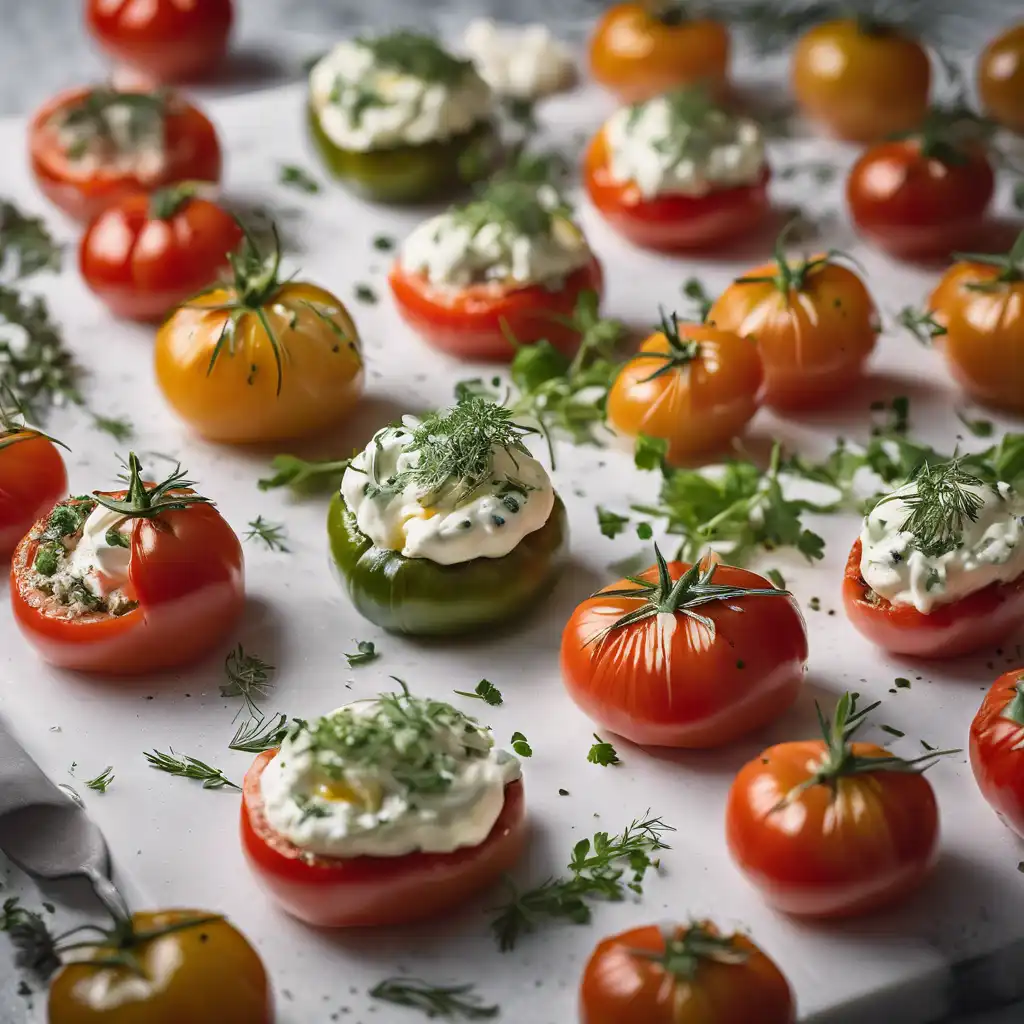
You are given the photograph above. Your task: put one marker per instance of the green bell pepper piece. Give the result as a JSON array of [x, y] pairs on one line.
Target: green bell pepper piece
[[423, 598]]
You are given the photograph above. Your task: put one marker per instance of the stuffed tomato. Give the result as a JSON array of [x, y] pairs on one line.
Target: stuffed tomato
[[678, 172], [509, 265], [382, 812], [130, 581]]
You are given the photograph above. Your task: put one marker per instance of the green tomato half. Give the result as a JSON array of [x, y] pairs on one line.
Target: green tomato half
[[422, 598]]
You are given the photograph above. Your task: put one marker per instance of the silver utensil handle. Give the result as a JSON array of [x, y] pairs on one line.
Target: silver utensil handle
[[108, 895]]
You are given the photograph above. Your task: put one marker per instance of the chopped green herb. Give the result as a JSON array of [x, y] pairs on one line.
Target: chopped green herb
[[366, 651], [417, 55], [777, 578], [611, 523], [485, 691], [258, 734], [649, 452], [304, 477], [814, 604], [902, 683], [249, 677], [693, 288], [922, 325], [891, 730], [383, 243], [119, 428], [521, 745], [296, 177], [563, 792], [34, 944], [453, 1002], [272, 535], [187, 767], [602, 753], [26, 245], [104, 779], [365, 294], [644, 531]]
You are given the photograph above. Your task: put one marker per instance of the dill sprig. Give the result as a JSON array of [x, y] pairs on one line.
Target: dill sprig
[[517, 205], [144, 501], [34, 944], [272, 535], [101, 781], [453, 1002], [26, 245], [257, 734], [249, 677], [186, 767]]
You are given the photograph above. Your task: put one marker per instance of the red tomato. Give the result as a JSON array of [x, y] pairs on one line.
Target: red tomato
[[916, 201], [977, 621], [683, 975], [821, 840], [471, 322], [32, 480], [669, 679], [997, 748], [164, 40], [84, 186], [145, 255], [332, 892], [673, 222]]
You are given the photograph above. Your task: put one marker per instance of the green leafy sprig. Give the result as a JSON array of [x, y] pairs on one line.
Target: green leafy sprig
[[272, 535], [486, 691], [26, 245], [144, 501], [453, 1002], [186, 767], [302, 476], [603, 753], [257, 734]]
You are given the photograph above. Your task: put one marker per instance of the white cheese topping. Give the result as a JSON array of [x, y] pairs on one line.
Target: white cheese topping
[[435, 781], [515, 501], [103, 566], [680, 144], [363, 103], [523, 61], [992, 550]]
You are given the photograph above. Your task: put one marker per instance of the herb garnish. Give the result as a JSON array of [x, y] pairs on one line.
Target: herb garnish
[[249, 677], [189, 768], [273, 535], [120, 428], [257, 734], [922, 325], [104, 779], [112, 121], [26, 245], [365, 294], [453, 1002], [486, 691], [383, 243], [147, 502], [296, 177], [303, 476], [602, 753], [686, 948], [366, 651], [611, 523], [693, 289], [12, 422], [515, 206], [521, 745], [978, 427], [415, 54]]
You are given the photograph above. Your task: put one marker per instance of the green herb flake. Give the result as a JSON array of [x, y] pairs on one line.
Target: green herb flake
[[101, 781], [302, 476], [650, 452], [26, 245], [602, 753], [521, 745], [891, 730], [366, 651], [383, 243], [297, 178], [777, 578], [485, 691], [901, 683], [611, 524], [814, 604], [248, 677], [644, 531], [976, 427], [452, 1002], [365, 294], [271, 535]]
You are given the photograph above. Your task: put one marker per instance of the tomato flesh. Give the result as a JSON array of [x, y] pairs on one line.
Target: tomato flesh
[[32, 480], [997, 750]]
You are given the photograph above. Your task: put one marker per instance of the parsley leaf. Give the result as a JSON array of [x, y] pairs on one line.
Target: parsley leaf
[[649, 452], [521, 745], [366, 651], [485, 691], [611, 523], [603, 753]]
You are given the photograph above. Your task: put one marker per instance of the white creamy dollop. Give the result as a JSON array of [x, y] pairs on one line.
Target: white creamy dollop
[[516, 500], [676, 144], [363, 104], [992, 550], [101, 565], [522, 61], [329, 802]]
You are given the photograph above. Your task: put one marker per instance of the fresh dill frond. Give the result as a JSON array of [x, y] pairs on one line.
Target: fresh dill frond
[[186, 767], [273, 535], [453, 1002], [257, 734], [249, 677]]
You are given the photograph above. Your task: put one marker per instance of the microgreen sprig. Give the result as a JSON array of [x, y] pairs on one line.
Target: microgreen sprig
[[272, 535], [144, 501], [303, 476]]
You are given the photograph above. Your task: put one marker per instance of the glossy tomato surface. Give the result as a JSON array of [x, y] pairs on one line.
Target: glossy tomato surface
[[185, 571], [142, 259], [1001, 78], [471, 323], [973, 623], [32, 480], [997, 749], [164, 40], [855, 844], [672, 222], [202, 974], [332, 892], [666, 681]]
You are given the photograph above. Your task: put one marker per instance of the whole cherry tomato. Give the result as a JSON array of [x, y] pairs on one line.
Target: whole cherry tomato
[[692, 385], [260, 359], [683, 974], [164, 967], [863, 81], [147, 253], [979, 305], [685, 656], [334, 892], [831, 827], [641, 49], [997, 749], [813, 320], [1001, 78], [163, 40], [184, 587], [90, 147]]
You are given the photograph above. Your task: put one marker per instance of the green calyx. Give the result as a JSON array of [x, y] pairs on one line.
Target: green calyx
[[671, 13], [948, 134], [1010, 266], [142, 502], [687, 948], [793, 276], [166, 202], [1014, 710], [681, 351], [12, 422]]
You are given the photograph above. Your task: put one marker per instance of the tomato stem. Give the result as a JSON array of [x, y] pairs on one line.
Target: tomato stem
[[147, 501], [166, 202], [1010, 265], [681, 351], [793, 276], [687, 947]]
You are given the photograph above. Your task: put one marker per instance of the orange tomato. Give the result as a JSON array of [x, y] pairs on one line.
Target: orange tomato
[[641, 49], [692, 385], [258, 359], [862, 81], [1001, 78], [676, 974]]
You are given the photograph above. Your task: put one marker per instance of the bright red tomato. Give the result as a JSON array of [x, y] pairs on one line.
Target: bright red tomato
[[332, 892], [32, 479], [997, 748], [673, 222], [185, 572], [654, 660], [83, 165], [164, 40], [472, 322], [147, 253], [977, 621]]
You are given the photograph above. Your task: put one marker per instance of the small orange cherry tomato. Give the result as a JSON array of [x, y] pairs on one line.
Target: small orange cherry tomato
[[1001, 78], [692, 385], [641, 49], [997, 749], [861, 80], [683, 974]]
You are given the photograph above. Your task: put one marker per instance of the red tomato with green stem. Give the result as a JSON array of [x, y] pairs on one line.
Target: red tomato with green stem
[[334, 892], [997, 749], [685, 656], [146, 254]]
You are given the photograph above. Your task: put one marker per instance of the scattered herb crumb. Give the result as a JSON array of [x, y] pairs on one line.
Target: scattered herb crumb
[[486, 691], [296, 177], [102, 781], [977, 427], [902, 683], [611, 524], [383, 243], [364, 293], [777, 578], [644, 531], [563, 792], [119, 428], [603, 753], [366, 651], [521, 745], [248, 677], [892, 730], [814, 604], [452, 1002]]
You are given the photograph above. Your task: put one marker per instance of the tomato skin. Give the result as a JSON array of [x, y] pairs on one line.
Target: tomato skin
[[360, 892], [637, 56], [32, 480], [914, 206], [997, 752], [187, 572], [977, 621], [696, 408], [165, 40], [468, 323], [208, 974], [142, 266], [860, 85], [193, 154], [619, 987], [824, 851], [673, 222], [1001, 78], [681, 688]]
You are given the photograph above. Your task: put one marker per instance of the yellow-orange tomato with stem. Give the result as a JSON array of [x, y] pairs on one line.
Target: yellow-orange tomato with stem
[[258, 359], [863, 81], [692, 385], [1001, 78]]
